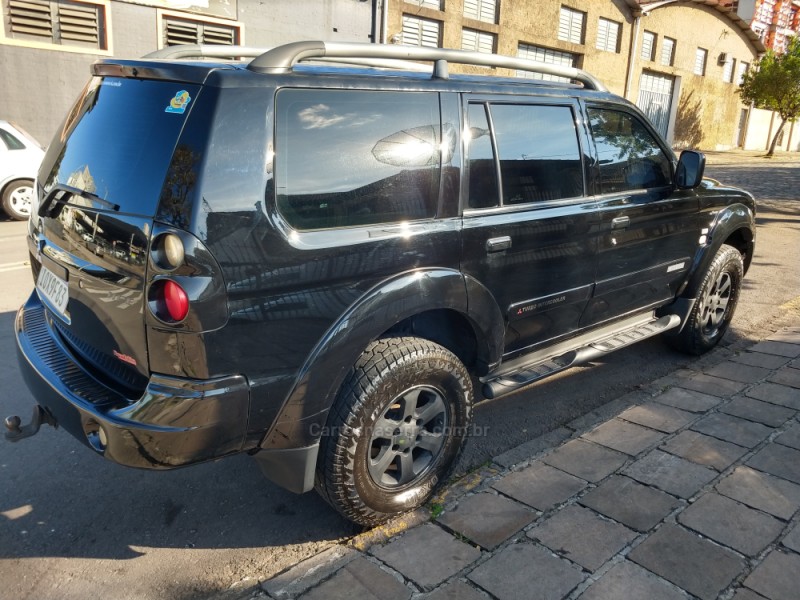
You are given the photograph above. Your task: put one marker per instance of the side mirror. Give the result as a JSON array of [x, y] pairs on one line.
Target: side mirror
[[690, 170]]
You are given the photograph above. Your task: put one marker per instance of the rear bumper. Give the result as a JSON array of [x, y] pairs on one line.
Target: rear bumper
[[176, 421]]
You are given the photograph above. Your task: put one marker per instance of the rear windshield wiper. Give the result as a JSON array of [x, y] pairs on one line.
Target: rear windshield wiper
[[61, 194]]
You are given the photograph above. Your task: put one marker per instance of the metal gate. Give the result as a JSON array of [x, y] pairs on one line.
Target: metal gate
[[655, 99]]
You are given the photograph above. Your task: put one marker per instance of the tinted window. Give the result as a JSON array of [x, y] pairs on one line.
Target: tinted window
[[630, 157], [483, 191], [539, 153], [118, 141], [11, 142], [345, 158]]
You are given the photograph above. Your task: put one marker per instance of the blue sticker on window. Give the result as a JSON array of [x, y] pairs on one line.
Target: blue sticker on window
[[179, 103]]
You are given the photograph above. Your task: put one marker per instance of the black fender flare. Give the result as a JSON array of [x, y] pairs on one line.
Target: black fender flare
[[304, 413], [733, 218]]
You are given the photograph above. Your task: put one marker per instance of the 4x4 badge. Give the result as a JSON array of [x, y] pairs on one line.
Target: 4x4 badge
[[179, 103]]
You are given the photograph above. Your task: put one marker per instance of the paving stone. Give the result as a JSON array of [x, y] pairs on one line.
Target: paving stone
[[759, 359], [690, 562], [792, 539], [776, 577], [580, 535], [688, 400], [714, 386], [778, 348], [704, 450], [608, 410], [733, 429], [360, 579], [629, 580], [790, 437], [487, 519], [631, 503], [427, 555], [745, 594], [532, 447], [624, 436], [778, 460], [658, 416], [305, 575], [670, 473], [458, 590], [786, 376], [585, 460], [540, 486], [738, 372], [525, 571], [776, 394], [764, 492], [730, 523], [751, 409]]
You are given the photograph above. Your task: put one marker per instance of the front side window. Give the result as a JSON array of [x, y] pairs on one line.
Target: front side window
[[630, 157], [570, 25], [347, 158], [608, 35], [538, 153]]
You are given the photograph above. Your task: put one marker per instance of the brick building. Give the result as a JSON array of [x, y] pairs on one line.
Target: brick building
[[774, 21]]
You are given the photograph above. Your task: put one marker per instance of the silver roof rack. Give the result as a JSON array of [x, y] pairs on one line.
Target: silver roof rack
[[283, 58]]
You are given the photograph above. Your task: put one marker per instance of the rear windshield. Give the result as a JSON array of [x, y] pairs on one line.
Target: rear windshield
[[118, 139]]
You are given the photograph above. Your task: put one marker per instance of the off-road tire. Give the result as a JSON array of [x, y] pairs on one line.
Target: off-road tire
[[716, 303], [389, 371]]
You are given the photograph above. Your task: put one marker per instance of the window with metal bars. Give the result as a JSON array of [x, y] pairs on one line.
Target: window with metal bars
[[648, 45], [477, 41], [421, 32], [743, 67], [728, 70], [482, 10], [608, 35], [668, 51], [570, 25], [190, 31], [435, 4], [81, 24]]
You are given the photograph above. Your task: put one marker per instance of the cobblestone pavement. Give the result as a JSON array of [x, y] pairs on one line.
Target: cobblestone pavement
[[689, 488]]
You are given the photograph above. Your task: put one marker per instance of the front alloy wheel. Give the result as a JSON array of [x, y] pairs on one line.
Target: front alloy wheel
[[17, 198]]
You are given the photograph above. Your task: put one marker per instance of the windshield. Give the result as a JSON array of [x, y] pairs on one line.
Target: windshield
[[117, 141]]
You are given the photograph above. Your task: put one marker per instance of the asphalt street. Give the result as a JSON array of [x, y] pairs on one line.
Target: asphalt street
[[75, 526]]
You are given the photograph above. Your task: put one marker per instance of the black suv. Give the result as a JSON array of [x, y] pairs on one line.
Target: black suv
[[316, 263]]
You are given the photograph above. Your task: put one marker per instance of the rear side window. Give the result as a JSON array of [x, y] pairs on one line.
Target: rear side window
[[630, 157], [538, 151], [345, 158]]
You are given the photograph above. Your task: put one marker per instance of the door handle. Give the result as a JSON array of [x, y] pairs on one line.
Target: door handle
[[620, 222], [498, 244]]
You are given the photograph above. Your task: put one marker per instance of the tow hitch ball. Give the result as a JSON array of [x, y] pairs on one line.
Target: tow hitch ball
[[16, 431]]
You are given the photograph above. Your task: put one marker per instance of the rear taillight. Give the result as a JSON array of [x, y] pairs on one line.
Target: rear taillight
[[168, 301]]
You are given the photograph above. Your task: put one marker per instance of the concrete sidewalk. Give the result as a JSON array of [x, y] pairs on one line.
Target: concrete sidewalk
[[688, 489]]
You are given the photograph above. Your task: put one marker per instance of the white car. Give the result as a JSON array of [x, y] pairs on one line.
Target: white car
[[20, 156]]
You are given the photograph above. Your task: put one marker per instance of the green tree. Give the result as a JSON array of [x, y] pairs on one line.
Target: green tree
[[774, 84]]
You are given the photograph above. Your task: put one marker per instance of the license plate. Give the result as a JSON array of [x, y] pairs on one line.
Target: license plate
[[54, 289]]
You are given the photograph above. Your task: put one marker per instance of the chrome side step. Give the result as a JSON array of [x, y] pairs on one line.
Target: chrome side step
[[520, 375]]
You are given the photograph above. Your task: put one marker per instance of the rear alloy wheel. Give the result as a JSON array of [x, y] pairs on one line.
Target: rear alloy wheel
[[17, 198], [395, 430], [716, 303]]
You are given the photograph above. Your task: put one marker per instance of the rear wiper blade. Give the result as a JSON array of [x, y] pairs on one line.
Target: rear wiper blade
[[60, 194]]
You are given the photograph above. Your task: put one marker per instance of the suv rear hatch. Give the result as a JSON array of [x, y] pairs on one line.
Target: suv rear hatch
[[98, 190]]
